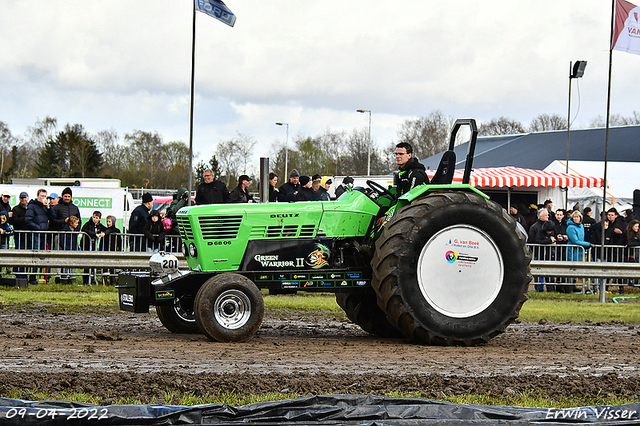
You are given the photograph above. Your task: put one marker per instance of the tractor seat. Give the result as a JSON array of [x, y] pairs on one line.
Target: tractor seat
[[446, 169]]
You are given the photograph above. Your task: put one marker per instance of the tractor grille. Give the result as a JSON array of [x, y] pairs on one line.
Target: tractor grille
[[282, 231], [185, 228], [306, 231], [219, 227]]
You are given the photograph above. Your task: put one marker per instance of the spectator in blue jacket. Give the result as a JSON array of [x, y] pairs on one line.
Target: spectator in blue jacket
[[575, 234]]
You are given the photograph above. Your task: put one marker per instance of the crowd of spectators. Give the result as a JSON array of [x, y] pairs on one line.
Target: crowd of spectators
[[52, 222], [580, 234], [297, 188]]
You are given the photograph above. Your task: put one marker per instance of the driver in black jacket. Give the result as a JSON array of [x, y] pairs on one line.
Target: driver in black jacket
[[411, 173]]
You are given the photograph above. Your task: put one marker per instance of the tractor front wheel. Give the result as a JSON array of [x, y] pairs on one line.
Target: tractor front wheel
[[229, 308], [179, 317]]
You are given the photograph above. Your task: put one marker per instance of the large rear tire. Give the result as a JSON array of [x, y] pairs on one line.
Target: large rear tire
[[229, 308], [451, 268], [179, 316], [362, 309]]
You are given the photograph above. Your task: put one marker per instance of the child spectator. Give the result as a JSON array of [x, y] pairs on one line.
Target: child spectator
[[154, 232], [70, 236], [6, 231]]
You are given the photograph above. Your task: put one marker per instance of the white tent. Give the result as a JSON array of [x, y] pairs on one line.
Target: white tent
[[622, 180]]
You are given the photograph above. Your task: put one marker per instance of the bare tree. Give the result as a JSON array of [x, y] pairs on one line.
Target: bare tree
[[113, 154], [145, 157], [616, 120], [335, 151], [427, 135], [544, 122], [41, 132], [245, 145], [501, 126], [229, 158], [7, 141]]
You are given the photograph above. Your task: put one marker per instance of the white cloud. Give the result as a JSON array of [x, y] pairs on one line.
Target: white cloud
[[127, 65]]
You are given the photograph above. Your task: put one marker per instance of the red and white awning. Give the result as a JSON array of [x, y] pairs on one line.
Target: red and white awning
[[517, 177]]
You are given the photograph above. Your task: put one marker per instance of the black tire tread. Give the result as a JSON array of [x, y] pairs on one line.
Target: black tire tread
[[391, 246], [362, 309], [172, 321]]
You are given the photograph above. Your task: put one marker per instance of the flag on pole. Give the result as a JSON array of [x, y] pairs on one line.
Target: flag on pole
[[626, 33], [216, 9]]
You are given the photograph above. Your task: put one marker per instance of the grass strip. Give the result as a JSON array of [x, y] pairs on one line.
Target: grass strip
[[236, 399], [554, 307]]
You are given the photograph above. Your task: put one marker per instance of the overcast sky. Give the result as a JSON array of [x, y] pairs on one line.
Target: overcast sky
[[126, 65]]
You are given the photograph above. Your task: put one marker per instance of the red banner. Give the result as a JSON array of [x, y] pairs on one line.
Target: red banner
[[626, 33]]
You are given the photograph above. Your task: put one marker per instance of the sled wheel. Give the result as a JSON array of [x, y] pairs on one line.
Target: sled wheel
[[362, 309], [451, 268], [179, 317], [229, 308]]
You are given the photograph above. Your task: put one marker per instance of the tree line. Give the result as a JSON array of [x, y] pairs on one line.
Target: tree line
[[143, 159]]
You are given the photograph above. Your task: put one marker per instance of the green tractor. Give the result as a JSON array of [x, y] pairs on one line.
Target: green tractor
[[447, 267]]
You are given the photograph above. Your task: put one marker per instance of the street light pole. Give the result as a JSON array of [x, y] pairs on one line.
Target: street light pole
[[286, 152], [369, 144], [575, 71]]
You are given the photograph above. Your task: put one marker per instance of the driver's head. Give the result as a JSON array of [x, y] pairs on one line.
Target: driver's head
[[403, 153]]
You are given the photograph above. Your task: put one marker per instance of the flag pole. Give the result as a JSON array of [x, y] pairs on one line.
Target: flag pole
[[193, 74], [606, 146]]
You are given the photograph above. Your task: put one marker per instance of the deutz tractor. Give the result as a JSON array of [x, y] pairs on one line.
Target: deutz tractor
[[448, 266]]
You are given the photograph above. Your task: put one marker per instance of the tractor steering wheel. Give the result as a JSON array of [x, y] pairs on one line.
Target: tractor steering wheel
[[381, 190]]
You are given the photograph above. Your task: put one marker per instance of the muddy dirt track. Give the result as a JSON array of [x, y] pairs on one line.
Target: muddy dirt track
[[117, 355]]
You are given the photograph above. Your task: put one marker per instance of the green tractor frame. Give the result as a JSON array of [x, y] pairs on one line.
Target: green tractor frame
[[448, 266]]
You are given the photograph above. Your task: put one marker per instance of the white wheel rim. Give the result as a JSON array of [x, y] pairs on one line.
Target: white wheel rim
[[232, 309], [460, 271]]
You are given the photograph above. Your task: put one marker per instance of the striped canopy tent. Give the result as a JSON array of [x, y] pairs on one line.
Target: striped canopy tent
[[510, 177]]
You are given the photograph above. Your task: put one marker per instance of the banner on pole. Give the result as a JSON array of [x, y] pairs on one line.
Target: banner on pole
[[626, 33], [216, 9]]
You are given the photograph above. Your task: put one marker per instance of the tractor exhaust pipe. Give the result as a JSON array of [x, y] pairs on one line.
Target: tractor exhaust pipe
[[264, 179]]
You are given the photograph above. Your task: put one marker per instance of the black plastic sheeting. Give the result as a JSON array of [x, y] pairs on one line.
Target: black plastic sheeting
[[312, 410]]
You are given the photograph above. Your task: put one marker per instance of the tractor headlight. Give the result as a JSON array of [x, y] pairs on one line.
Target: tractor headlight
[[192, 250], [185, 251]]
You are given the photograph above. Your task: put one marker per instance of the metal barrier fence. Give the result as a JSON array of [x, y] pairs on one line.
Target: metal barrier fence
[[562, 267], [77, 240], [67, 254], [42, 253]]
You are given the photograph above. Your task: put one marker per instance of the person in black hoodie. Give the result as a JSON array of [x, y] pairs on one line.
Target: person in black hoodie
[[92, 231], [412, 173], [154, 232], [305, 193], [112, 241]]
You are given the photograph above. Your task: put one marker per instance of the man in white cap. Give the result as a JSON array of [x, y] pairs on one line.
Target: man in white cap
[[4, 202]]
